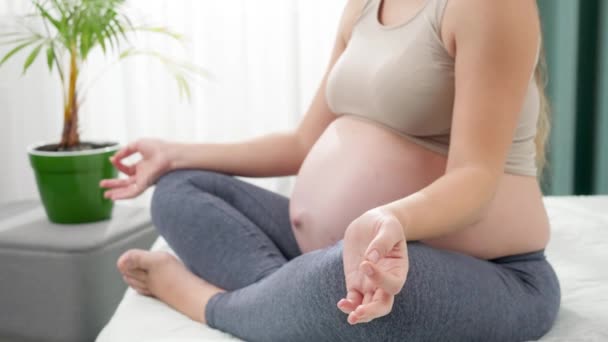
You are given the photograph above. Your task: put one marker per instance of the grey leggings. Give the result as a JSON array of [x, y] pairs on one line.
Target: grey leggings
[[238, 237]]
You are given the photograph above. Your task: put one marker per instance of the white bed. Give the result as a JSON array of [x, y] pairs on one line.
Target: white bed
[[578, 251]]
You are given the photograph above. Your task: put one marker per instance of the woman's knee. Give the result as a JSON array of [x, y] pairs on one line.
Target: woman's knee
[[202, 179], [327, 281], [173, 188]]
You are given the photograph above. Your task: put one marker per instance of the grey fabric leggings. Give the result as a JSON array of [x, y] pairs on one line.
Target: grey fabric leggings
[[238, 237]]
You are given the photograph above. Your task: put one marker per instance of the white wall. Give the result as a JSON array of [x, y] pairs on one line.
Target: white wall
[[267, 58]]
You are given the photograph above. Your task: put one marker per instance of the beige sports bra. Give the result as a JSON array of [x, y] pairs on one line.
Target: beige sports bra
[[403, 78]]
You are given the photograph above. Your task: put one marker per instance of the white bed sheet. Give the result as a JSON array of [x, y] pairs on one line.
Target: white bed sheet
[[578, 252]]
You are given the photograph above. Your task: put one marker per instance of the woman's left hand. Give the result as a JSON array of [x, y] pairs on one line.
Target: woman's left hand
[[375, 265]]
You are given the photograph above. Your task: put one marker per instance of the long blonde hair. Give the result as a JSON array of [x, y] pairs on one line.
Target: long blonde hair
[[544, 117]]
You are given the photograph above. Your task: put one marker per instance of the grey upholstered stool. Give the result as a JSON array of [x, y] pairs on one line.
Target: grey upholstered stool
[[59, 282]]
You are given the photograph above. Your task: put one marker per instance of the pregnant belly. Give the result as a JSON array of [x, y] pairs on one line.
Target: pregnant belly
[[354, 166], [357, 165]]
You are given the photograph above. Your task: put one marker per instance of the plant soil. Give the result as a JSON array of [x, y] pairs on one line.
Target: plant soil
[[83, 146]]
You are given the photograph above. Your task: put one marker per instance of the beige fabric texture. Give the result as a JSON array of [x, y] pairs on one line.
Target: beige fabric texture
[[402, 77]]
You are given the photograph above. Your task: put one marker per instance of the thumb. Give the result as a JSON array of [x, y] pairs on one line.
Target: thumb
[[387, 237]]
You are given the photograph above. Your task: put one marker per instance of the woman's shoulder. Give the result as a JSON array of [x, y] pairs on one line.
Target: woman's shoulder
[[483, 12], [353, 12], [356, 8], [471, 18]]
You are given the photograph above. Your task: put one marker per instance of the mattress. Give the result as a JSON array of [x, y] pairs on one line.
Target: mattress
[[578, 252]]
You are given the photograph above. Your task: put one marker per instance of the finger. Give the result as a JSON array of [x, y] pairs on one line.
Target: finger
[[389, 282], [380, 306], [124, 193], [390, 234], [354, 297], [116, 183], [135, 189], [129, 170], [346, 306], [350, 303], [126, 152]]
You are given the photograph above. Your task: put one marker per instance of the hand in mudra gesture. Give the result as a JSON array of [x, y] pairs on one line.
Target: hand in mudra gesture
[[153, 164], [375, 266]]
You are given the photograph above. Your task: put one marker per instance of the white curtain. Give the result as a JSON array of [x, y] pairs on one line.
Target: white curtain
[[266, 58]]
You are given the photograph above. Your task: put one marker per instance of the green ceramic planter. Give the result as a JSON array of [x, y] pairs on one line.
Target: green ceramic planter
[[68, 183]]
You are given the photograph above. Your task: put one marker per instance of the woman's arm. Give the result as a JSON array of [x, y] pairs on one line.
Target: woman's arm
[[495, 44], [278, 154]]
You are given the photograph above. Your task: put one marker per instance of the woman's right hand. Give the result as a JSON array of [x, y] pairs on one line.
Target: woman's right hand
[[154, 162]]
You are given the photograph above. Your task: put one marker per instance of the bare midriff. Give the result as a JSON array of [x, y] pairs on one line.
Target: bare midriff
[[357, 165]]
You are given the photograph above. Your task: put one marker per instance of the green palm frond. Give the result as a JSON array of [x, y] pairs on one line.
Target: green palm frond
[[32, 57], [182, 72], [84, 25], [16, 41], [160, 30], [18, 48], [50, 56], [75, 28]]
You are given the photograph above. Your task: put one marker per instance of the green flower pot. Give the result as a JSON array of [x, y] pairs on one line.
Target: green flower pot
[[68, 183]]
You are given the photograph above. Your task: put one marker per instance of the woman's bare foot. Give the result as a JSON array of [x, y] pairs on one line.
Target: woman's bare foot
[[161, 275]]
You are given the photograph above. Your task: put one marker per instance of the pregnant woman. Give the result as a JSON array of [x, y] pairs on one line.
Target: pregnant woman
[[416, 215]]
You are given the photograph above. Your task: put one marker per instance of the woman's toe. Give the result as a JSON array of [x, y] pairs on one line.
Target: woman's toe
[[140, 259], [133, 262], [137, 285], [135, 276], [124, 262]]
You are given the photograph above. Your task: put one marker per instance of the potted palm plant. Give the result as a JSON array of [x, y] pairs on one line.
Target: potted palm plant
[[66, 32]]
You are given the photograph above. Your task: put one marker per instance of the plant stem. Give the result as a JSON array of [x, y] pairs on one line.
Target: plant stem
[[70, 137]]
